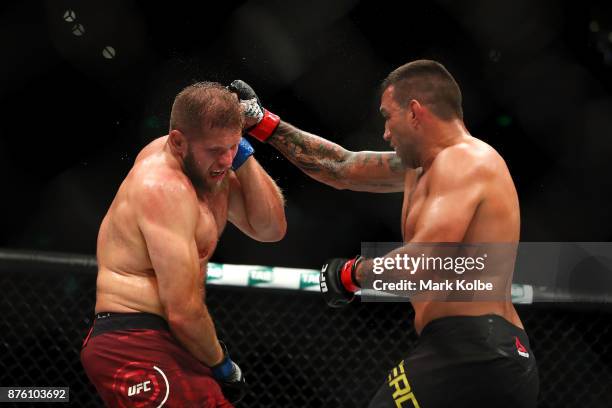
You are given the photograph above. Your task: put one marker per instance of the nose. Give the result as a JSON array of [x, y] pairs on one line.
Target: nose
[[226, 158], [387, 135]]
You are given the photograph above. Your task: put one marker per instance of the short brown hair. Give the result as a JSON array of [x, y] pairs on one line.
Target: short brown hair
[[429, 83], [205, 105]]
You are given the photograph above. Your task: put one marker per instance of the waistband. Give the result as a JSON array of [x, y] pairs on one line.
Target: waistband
[[110, 321], [471, 326]]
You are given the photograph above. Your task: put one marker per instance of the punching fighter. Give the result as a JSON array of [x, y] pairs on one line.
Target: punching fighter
[[457, 189], [153, 341]]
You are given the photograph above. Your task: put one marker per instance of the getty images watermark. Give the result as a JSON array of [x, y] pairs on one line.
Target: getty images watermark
[[409, 265], [438, 272], [541, 271]]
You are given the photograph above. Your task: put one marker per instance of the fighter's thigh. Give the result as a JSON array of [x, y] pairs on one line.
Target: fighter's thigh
[[153, 384], [149, 377], [398, 390]]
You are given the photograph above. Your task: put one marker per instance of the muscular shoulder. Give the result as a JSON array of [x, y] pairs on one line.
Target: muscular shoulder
[[153, 147], [468, 162], [164, 192]]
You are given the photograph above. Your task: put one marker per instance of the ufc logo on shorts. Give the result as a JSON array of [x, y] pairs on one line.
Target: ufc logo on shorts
[[138, 388], [402, 394]]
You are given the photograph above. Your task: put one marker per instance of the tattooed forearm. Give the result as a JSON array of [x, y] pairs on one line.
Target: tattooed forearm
[[310, 153], [396, 165], [331, 164]]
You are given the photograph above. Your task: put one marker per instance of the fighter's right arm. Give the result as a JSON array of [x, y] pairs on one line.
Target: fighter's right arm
[[329, 163], [167, 217]]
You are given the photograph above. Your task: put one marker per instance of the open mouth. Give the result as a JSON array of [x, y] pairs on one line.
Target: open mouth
[[217, 173]]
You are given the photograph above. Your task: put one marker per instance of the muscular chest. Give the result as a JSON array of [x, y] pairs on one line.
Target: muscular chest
[[211, 223], [415, 192]]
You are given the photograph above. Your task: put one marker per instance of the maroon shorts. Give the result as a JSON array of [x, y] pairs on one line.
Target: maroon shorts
[[134, 361]]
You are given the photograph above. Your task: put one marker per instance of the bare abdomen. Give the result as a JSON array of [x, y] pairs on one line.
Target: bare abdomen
[[124, 292]]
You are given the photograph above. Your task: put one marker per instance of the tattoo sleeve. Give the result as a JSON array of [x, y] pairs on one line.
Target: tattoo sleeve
[[332, 164]]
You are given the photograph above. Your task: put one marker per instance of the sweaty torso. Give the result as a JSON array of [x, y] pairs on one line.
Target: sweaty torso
[[496, 219], [126, 279]]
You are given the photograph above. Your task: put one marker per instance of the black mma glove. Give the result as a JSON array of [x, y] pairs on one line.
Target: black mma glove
[[265, 121], [230, 377], [338, 282]]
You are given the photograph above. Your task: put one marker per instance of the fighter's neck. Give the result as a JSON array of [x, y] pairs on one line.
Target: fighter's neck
[[173, 158], [440, 137]]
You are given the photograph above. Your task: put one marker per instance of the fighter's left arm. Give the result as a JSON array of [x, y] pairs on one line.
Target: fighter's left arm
[[456, 184], [319, 158], [332, 164], [256, 204]]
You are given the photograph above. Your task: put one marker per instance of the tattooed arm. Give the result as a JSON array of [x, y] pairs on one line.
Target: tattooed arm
[[376, 172], [329, 163]]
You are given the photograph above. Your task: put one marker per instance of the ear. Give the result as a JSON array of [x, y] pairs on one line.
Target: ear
[[415, 111], [178, 142]]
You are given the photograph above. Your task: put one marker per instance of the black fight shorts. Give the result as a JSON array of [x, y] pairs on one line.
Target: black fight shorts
[[464, 361]]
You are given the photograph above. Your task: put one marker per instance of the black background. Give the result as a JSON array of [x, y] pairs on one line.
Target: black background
[[536, 78]]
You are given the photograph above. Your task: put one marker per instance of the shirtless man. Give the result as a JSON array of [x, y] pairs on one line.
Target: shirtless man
[[457, 189], [153, 341]]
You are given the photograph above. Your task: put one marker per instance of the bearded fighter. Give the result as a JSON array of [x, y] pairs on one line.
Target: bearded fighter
[[153, 341]]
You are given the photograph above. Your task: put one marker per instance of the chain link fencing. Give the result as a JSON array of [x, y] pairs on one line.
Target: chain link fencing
[[294, 350]]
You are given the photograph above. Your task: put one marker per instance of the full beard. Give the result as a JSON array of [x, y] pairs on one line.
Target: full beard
[[194, 174]]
